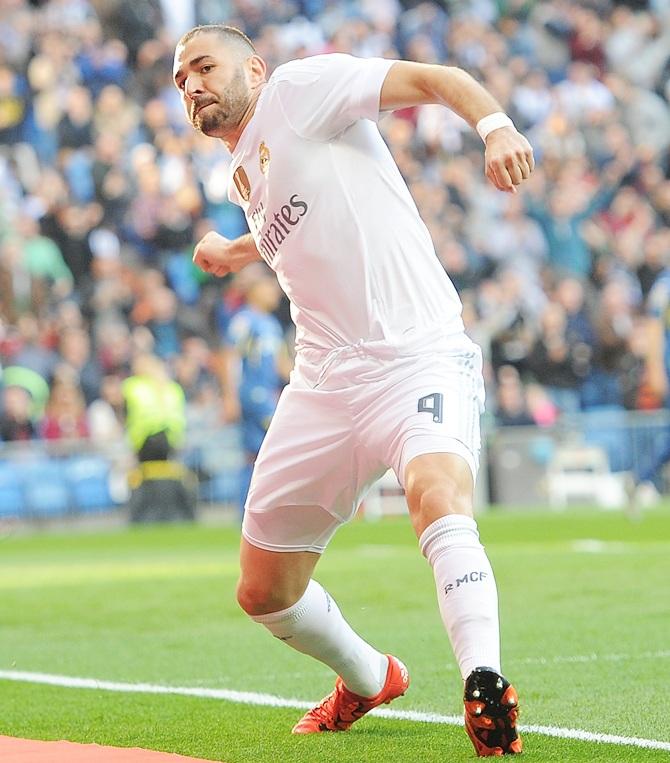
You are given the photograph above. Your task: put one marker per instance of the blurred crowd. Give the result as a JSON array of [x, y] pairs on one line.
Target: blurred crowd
[[105, 188]]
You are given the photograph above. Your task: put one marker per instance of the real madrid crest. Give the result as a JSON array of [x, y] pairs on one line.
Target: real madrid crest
[[264, 157]]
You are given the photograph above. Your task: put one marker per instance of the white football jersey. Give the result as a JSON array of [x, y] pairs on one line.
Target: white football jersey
[[331, 214]]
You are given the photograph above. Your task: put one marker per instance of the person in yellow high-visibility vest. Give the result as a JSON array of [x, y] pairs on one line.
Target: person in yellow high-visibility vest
[[155, 409]]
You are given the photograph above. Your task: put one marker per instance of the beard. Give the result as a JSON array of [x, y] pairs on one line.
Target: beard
[[216, 116]]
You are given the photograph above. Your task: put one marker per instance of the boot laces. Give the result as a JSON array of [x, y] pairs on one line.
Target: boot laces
[[338, 710]]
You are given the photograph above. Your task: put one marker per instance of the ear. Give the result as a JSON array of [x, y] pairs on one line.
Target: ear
[[256, 70]]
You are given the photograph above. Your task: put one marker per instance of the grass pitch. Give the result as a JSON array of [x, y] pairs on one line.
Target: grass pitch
[[585, 614]]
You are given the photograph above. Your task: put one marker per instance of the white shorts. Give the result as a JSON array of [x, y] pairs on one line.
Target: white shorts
[[331, 439]]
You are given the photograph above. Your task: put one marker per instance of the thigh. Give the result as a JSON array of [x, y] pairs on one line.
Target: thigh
[[437, 484], [307, 476], [431, 405]]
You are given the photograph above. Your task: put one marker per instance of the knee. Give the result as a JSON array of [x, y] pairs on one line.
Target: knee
[[259, 599], [437, 485], [428, 496]]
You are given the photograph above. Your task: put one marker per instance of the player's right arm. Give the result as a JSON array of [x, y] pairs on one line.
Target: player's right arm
[[220, 256], [508, 154], [322, 96]]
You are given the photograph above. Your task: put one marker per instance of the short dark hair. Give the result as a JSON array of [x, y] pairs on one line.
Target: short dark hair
[[229, 33]]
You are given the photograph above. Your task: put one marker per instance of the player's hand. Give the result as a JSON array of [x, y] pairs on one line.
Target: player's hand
[[213, 254], [509, 159]]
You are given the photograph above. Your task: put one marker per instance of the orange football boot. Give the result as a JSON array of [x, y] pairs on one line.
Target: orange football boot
[[342, 707], [491, 710]]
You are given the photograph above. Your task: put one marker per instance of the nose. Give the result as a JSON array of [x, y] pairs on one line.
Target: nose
[[193, 85]]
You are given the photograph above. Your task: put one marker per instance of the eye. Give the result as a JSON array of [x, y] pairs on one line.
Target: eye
[[207, 68]]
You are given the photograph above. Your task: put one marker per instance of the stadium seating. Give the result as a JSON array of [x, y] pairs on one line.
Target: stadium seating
[[608, 428], [45, 487], [581, 474], [88, 481], [11, 494]]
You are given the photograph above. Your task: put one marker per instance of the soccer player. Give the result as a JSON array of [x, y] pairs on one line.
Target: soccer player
[[256, 364], [646, 479], [384, 374]]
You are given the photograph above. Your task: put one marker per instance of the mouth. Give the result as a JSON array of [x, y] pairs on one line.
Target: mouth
[[198, 109]]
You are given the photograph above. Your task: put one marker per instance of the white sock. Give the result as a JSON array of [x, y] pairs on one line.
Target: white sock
[[314, 625], [466, 590]]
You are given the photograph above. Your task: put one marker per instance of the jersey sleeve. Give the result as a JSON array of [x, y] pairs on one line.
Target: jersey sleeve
[[323, 95]]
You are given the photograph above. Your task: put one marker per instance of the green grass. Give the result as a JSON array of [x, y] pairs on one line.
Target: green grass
[[580, 633]]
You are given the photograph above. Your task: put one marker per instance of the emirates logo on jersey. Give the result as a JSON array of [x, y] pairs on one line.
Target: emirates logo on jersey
[[242, 183], [264, 158], [278, 227]]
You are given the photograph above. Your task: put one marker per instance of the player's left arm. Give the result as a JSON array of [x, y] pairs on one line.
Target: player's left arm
[[508, 155]]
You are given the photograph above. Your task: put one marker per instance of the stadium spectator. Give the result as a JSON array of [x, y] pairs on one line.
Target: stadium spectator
[[647, 477], [13, 105], [155, 411], [543, 410], [29, 352], [16, 422], [163, 323], [256, 364], [656, 248], [65, 413], [611, 353], [561, 220], [512, 406], [42, 259], [76, 358], [75, 130], [106, 415], [195, 370], [161, 489], [508, 321], [32, 383], [557, 361], [570, 294]]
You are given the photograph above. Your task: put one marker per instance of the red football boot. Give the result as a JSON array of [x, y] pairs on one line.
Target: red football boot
[[491, 710], [342, 707]]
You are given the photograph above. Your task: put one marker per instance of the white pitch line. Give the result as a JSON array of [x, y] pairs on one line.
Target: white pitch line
[[270, 700], [661, 654]]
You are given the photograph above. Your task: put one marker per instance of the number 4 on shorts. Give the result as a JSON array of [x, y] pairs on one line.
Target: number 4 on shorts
[[432, 404]]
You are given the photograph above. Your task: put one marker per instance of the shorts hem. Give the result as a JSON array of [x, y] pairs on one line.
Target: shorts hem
[[433, 445], [282, 549]]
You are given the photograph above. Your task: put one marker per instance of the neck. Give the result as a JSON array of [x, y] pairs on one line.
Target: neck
[[231, 139]]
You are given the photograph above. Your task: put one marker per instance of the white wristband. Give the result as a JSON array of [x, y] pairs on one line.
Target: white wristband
[[493, 122]]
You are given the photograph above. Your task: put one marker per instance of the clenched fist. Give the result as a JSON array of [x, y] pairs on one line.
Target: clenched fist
[[220, 256], [509, 159]]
